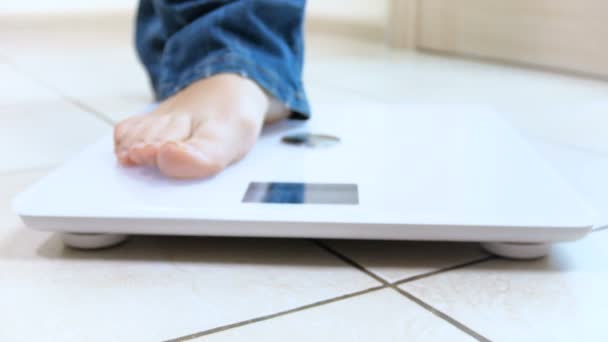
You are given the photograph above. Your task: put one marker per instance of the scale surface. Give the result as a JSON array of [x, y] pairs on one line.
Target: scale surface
[[411, 172]]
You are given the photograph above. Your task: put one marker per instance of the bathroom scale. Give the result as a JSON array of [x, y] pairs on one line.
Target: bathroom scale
[[358, 171]]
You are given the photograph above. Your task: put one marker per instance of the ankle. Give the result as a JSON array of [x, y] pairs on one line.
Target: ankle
[[276, 111]]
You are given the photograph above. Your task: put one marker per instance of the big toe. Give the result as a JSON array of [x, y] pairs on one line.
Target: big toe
[[191, 159]]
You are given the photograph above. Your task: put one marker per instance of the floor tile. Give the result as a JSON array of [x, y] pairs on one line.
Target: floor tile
[[96, 66], [558, 298], [38, 128], [153, 288], [53, 32], [9, 186], [110, 83], [398, 260], [382, 315], [21, 90]]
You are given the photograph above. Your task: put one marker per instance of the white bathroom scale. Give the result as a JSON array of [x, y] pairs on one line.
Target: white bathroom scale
[[372, 171]]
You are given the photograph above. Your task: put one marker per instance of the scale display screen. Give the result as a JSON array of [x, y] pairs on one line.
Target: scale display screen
[[301, 193]]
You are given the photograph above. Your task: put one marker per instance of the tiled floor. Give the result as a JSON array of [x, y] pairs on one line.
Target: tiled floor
[[63, 87]]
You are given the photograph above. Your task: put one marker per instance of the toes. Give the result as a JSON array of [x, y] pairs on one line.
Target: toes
[[192, 159], [138, 142], [122, 128], [129, 134], [143, 153], [120, 133], [124, 159], [145, 141]]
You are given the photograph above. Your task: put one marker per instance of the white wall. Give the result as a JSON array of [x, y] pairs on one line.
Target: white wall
[[369, 12], [64, 6], [366, 12]]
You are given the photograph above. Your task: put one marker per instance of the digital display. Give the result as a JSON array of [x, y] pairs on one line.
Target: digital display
[[301, 193]]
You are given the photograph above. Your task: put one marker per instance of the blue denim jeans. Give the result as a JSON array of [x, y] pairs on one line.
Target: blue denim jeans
[[182, 41]]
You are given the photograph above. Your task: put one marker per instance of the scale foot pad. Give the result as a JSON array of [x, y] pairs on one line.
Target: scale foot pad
[[517, 250], [92, 241]]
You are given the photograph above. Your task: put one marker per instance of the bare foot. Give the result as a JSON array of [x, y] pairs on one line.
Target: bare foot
[[199, 131]]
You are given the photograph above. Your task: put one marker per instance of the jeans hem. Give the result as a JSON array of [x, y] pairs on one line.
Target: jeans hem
[[292, 97]]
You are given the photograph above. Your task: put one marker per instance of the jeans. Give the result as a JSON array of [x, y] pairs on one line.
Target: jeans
[[182, 41]]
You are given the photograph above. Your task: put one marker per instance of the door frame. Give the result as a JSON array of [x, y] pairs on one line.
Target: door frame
[[402, 27]]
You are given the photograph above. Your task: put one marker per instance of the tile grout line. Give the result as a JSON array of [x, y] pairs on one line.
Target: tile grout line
[[384, 285], [406, 294], [48, 167], [350, 262], [600, 228], [86, 108], [442, 270], [69, 99], [308, 306], [569, 146], [441, 315], [277, 314]]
